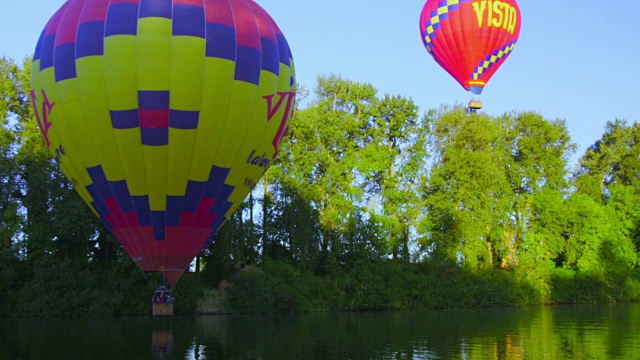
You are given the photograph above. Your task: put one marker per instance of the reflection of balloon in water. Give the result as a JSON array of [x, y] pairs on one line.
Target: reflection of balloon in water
[[162, 344], [470, 39], [164, 114]]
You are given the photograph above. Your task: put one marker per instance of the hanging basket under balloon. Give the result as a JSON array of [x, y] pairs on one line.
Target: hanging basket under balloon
[[162, 302]]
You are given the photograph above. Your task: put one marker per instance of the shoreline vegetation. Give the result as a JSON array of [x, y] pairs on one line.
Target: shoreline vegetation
[[372, 204], [280, 289]]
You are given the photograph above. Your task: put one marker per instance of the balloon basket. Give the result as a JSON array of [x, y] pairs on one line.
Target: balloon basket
[[474, 105], [162, 302], [163, 309]]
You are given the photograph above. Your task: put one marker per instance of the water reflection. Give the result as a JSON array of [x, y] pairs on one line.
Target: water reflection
[[162, 344], [567, 332], [196, 351]]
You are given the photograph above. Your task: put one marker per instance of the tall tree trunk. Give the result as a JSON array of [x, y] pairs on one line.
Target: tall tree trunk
[[405, 244], [266, 248], [251, 237], [198, 269]]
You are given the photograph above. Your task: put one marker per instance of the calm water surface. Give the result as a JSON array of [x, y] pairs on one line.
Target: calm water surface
[[564, 332]]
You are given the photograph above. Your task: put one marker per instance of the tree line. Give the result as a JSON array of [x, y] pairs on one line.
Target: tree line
[[372, 204]]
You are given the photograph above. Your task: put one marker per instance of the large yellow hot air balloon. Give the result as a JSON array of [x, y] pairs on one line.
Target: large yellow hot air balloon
[[164, 114]]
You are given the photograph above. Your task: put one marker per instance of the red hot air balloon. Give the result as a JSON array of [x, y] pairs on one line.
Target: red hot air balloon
[[470, 39]]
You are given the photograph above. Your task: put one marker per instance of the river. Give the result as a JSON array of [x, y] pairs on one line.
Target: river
[[558, 332]]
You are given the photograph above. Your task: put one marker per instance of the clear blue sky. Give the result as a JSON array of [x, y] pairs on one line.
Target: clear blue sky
[[575, 60]]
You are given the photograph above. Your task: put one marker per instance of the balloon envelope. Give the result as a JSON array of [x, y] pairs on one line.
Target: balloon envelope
[[470, 39], [164, 114]]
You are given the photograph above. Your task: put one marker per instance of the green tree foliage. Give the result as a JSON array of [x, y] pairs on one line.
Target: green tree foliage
[[614, 159], [10, 104], [392, 164], [609, 173], [326, 139], [467, 189], [538, 151], [371, 205], [487, 176]]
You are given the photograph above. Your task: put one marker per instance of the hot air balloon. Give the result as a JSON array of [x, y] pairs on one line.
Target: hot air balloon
[[164, 114], [470, 39]]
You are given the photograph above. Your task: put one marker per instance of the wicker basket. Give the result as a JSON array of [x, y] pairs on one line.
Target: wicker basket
[[162, 309]]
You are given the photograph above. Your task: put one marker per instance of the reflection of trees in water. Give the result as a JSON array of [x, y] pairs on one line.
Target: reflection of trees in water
[[565, 332], [162, 344], [51, 339]]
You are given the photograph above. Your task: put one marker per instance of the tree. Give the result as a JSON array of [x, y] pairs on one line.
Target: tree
[[614, 159], [392, 162], [468, 192], [537, 152], [319, 160], [11, 103], [609, 173]]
